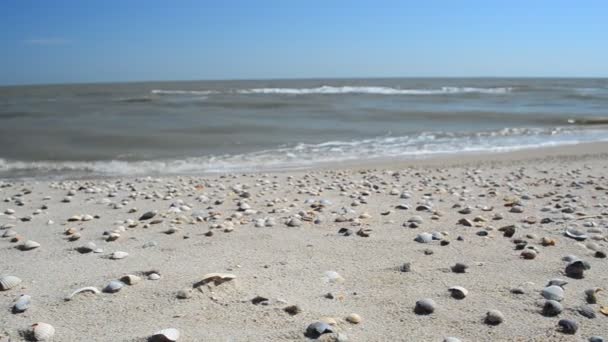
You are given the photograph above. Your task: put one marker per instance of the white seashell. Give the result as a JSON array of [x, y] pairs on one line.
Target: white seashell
[[22, 303], [130, 279], [91, 289], [424, 238], [29, 245], [575, 234], [42, 331], [458, 292], [165, 335], [333, 277], [114, 286], [8, 282], [87, 218], [154, 276], [217, 278], [9, 233], [119, 255]]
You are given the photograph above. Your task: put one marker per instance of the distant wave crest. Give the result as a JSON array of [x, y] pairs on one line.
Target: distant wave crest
[[333, 90]]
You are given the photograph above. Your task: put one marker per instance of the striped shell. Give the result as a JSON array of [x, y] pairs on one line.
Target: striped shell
[[166, 335], [8, 282], [42, 331]]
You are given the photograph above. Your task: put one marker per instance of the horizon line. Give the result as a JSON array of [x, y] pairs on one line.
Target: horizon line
[[290, 79]]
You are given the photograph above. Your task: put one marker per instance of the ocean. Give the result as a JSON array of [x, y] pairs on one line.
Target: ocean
[[198, 127]]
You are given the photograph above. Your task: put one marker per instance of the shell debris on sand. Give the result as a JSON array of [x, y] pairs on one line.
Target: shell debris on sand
[[90, 289]]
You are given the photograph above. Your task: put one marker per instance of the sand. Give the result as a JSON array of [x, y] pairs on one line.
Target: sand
[[287, 265]]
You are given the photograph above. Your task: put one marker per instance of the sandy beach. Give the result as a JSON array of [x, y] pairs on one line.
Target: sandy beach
[[295, 248]]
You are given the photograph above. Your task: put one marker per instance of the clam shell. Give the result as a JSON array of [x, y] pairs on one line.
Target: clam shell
[[29, 245], [575, 234], [316, 329], [553, 292], [114, 286], [42, 331], [425, 306], [81, 290], [9, 233], [424, 238], [552, 308], [119, 255], [568, 326], [165, 335], [130, 279], [494, 317], [353, 318], [22, 303], [458, 292], [87, 248], [8, 282]]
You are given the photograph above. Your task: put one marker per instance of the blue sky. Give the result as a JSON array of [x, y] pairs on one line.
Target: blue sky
[[59, 41]]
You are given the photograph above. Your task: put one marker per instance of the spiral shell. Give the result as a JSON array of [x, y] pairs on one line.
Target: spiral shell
[[8, 282]]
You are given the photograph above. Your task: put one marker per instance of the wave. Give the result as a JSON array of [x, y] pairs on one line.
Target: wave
[[332, 90], [183, 92], [305, 155]]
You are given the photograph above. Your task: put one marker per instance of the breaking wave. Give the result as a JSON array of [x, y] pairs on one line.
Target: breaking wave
[[303, 155]]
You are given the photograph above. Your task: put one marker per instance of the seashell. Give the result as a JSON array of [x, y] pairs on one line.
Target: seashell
[[604, 310], [9, 233], [458, 292], [316, 329], [552, 308], [586, 311], [553, 292], [451, 339], [75, 218], [292, 310], [545, 241], [119, 255], [112, 237], [184, 294], [333, 277], [8, 282], [596, 339], [87, 218], [424, 238], [425, 306], [74, 237], [216, 278], [114, 286], [91, 289], [87, 248], [154, 276], [568, 326], [508, 231], [42, 331], [165, 335], [459, 268], [575, 234], [576, 269], [29, 245], [591, 295], [353, 318], [494, 317], [528, 254], [147, 215], [22, 303], [570, 258], [130, 279]]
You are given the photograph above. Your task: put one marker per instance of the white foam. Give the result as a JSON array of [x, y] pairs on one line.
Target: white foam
[[308, 155], [373, 90], [183, 92]]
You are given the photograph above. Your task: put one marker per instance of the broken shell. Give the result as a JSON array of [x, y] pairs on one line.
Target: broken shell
[[42, 331], [316, 329], [22, 303], [130, 279], [216, 278], [119, 255], [591, 295], [165, 335], [29, 245], [8, 282], [575, 234], [353, 318], [458, 292], [91, 289]]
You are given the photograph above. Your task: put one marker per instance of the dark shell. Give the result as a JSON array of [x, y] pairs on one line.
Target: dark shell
[[316, 329], [552, 308], [568, 326]]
